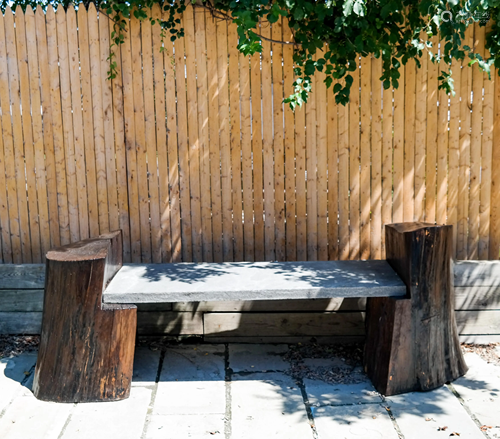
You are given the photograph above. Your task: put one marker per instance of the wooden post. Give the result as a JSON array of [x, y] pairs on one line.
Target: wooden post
[[412, 343], [87, 347]]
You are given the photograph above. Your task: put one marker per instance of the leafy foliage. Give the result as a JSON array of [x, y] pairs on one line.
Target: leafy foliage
[[330, 35]]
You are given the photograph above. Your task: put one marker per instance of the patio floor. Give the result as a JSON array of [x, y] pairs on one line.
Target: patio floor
[[245, 392]]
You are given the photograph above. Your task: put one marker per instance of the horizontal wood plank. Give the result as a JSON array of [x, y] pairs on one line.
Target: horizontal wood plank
[[28, 276], [21, 300], [477, 273], [478, 322], [477, 298], [20, 323], [284, 324], [178, 323]]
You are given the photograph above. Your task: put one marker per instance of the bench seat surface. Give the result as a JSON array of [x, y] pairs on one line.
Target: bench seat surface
[[187, 282]]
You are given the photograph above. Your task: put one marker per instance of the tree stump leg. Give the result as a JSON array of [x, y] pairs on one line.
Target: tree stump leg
[[412, 342], [87, 347]]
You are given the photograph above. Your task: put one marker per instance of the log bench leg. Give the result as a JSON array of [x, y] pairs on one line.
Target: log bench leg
[[87, 347], [412, 342]]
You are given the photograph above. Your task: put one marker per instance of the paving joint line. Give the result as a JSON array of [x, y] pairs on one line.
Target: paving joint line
[[153, 396], [343, 405], [393, 419], [227, 384], [455, 392], [307, 405], [68, 420]]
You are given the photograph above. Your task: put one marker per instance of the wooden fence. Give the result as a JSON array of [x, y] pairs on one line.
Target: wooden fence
[[191, 152]]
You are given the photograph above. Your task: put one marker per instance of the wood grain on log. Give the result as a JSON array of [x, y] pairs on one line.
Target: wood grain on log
[[86, 347], [412, 343]]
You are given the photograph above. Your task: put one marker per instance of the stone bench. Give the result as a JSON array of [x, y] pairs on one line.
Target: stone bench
[[89, 319]]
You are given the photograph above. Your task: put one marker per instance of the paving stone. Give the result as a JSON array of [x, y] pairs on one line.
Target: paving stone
[[186, 426], [440, 407], [146, 364], [321, 393], [29, 418], [368, 421], [480, 389], [192, 381], [257, 357], [120, 419], [13, 371], [265, 405]]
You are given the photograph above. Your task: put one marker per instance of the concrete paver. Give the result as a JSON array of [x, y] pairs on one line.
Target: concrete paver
[[480, 390], [12, 373], [186, 426], [120, 419], [321, 393], [257, 357], [192, 381], [422, 415], [366, 421], [29, 418], [268, 405]]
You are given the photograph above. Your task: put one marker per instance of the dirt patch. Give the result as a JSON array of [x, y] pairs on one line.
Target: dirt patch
[[12, 345], [335, 364], [488, 352]]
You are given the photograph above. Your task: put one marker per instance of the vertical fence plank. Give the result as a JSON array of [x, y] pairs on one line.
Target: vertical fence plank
[[98, 119], [387, 157], [431, 137], [150, 95], [442, 153], [311, 177], [183, 144], [120, 149], [214, 143], [398, 155], [246, 158], [278, 146], [486, 163], [291, 232], [55, 99], [88, 122], [107, 109], [454, 154], [420, 138], [163, 69], [234, 107], [464, 164], [29, 156], [17, 132], [258, 188], [354, 175], [129, 126], [140, 139], [300, 185], [409, 161], [267, 139], [376, 167], [11, 244], [365, 158], [343, 182], [225, 146], [48, 140], [322, 165], [67, 124], [494, 250], [76, 108], [475, 146], [202, 84], [333, 175]]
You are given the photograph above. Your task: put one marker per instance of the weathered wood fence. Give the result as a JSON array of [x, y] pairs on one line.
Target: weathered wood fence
[[191, 152]]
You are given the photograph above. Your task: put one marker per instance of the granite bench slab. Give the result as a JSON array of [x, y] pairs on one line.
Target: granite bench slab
[[187, 282]]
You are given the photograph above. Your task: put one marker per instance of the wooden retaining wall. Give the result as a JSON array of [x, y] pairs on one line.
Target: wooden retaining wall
[[477, 290], [191, 152]]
